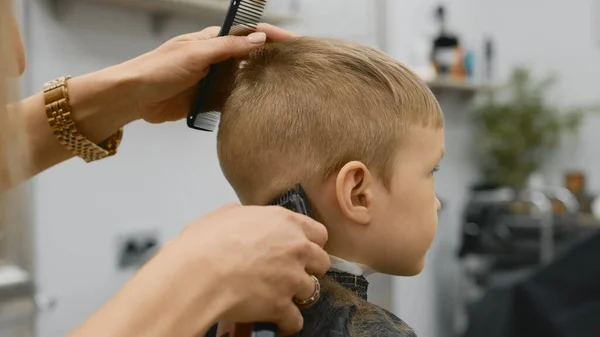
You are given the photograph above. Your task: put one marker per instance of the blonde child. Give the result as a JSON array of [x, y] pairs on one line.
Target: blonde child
[[363, 135]]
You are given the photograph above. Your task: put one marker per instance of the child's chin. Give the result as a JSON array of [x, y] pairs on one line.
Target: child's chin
[[412, 270], [416, 269]]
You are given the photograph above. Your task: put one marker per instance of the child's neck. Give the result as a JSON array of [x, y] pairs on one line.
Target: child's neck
[[337, 244], [353, 268]]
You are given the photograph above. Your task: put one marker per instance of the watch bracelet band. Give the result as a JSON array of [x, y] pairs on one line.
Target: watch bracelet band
[[58, 111]]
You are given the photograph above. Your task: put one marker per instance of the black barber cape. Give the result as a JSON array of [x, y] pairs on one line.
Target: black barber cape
[[324, 320], [560, 300]]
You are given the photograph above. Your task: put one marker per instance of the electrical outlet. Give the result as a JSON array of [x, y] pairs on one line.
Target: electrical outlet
[[135, 249]]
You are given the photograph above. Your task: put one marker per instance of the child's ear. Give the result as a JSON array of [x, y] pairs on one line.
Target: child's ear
[[354, 194]]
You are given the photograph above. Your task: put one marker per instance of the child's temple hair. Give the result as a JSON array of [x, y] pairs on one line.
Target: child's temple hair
[[303, 108], [299, 110]]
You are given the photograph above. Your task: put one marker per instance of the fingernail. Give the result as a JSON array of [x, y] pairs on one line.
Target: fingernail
[[257, 38]]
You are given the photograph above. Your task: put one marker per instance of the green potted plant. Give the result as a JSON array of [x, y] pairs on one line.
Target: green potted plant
[[518, 129]]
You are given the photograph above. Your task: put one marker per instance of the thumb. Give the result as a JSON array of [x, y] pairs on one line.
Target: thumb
[[225, 47], [206, 219], [290, 320], [229, 206]]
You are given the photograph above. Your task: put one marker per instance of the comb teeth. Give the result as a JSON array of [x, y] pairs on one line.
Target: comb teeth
[[242, 19], [285, 198], [248, 16], [208, 121], [295, 200]]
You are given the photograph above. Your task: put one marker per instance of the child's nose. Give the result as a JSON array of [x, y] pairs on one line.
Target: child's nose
[[438, 204]]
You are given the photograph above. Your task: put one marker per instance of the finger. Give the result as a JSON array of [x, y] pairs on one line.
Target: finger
[[307, 289], [314, 231], [290, 321], [205, 34], [222, 48], [217, 212], [211, 32], [275, 33], [220, 210], [180, 105], [318, 261], [224, 208]]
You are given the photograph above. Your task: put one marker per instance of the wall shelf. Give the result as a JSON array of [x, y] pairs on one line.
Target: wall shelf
[[207, 12], [465, 89]]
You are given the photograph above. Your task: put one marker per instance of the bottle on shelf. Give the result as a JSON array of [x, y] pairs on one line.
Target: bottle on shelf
[[446, 55], [489, 60], [575, 182]]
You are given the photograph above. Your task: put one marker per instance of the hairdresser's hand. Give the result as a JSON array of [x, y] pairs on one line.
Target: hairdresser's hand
[[264, 254], [166, 78]]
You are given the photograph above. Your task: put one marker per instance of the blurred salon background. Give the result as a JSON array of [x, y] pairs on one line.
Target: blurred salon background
[[519, 232]]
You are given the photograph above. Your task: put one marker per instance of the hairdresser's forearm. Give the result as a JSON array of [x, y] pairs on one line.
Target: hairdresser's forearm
[[160, 301], [101, 103], [135, 313]]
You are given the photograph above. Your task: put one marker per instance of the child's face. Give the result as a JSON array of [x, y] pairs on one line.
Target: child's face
[[404, 219], [388, 229]]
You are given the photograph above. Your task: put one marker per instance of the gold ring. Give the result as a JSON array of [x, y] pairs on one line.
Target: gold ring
[[314, 297]]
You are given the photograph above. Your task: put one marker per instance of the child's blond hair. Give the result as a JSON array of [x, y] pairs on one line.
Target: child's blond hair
[[303, 108], [299, 110]]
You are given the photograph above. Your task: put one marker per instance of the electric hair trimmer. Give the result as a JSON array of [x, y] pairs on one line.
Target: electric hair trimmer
[[294, 200]]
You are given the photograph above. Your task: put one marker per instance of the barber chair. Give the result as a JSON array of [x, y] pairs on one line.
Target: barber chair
[[531, 253], [562, 299], [517, 228]]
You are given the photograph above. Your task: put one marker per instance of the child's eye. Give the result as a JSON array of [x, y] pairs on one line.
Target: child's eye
[[435, 169]]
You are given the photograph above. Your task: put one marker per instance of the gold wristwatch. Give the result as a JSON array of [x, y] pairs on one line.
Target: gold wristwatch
[[58, 111]]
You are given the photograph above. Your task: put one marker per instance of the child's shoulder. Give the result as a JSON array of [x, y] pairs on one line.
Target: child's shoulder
[[327, 320], [397, 328]]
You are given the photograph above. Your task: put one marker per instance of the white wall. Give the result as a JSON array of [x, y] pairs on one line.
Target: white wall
[[548, 37], [554, 37]]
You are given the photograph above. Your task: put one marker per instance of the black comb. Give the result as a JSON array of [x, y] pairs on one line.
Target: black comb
[[242, 19]]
